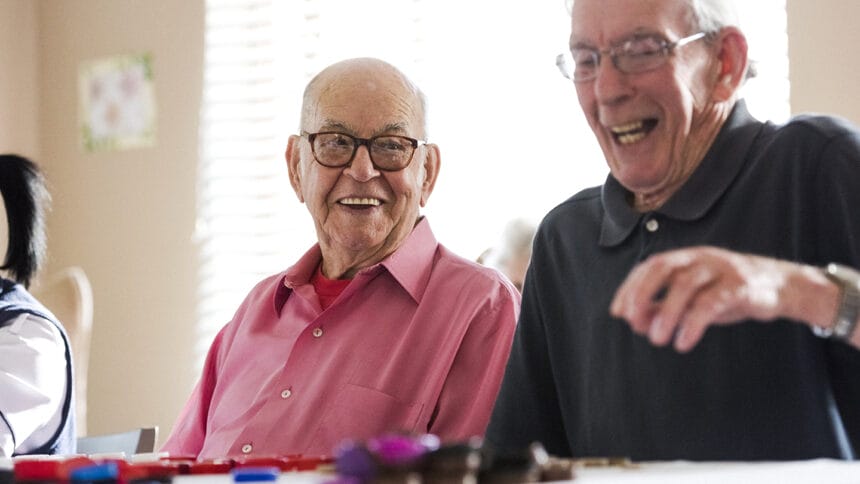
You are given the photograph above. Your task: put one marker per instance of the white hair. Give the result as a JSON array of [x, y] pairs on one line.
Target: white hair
[[707, 15], [712, 15]]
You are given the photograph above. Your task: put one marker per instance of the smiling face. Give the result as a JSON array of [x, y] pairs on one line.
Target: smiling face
[[361, 214], [654, 127]]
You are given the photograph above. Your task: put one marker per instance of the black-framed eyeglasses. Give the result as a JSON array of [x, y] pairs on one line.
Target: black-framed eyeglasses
[[387, 152], [640, 53]]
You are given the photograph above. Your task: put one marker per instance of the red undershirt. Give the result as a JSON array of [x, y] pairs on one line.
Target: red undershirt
[[327, 289]]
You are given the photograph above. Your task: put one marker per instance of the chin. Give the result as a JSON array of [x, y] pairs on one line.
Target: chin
[[638, 181], [359, 241]]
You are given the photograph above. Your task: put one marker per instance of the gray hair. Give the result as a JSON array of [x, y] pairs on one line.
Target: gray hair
[[707, 15], [712, 15]]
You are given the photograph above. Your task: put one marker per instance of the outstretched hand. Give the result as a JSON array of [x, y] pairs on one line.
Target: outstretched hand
[[673, 297]]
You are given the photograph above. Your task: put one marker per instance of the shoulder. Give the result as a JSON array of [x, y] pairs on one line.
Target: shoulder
[[468, 273], [25, 327], [814, 131], [585, 200], [823, 125], [582, 211], [476, 299], [466, 288], [32, 346], [816, 147]]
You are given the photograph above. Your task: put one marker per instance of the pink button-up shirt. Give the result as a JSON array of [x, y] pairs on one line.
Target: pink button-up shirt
[[417, 343]]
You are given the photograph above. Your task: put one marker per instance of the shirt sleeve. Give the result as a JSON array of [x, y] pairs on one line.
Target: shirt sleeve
[[472, 384], [32, 382], [836, 184], [189, 432]]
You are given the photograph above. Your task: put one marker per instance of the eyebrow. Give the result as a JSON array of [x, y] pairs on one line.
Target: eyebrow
[[581, 45], [332, 125], [637, 33]]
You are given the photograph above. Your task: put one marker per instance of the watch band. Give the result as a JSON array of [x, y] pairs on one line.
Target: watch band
[[845, 322]]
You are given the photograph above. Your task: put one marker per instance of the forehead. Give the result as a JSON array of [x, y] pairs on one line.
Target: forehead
[[601, 22], [365, 103]]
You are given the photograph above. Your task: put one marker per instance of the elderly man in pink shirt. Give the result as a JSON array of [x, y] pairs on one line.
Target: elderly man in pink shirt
[[377, 328]]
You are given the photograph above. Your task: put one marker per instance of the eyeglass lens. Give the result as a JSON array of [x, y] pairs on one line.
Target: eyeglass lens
[[635, 55], [386, 152], [639, 54]]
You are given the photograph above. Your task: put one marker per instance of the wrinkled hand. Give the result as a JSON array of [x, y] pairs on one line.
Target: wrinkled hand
[[678, 294]]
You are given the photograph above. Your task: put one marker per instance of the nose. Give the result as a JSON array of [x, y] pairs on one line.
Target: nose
[[611, 86], [361, 168]]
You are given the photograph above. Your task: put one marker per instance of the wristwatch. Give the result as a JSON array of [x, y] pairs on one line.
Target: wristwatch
[[848, 280]]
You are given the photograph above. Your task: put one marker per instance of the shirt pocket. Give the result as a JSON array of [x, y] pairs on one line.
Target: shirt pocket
[[359, 413]]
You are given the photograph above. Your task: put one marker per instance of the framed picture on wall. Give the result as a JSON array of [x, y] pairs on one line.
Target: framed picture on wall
[[117, 103]]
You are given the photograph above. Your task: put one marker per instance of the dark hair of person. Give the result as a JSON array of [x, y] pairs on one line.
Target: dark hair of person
[[26, 197]]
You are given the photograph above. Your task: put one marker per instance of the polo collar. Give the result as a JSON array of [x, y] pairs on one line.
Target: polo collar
[[695, 198]]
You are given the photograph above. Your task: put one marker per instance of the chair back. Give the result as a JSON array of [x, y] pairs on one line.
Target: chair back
[[137, 441], [69, 296]]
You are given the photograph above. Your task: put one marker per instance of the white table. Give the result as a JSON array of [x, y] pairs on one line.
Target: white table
[[798, 472]]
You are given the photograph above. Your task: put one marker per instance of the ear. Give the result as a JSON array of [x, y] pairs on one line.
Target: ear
[[293, 157], [733, 61], [432, 161]]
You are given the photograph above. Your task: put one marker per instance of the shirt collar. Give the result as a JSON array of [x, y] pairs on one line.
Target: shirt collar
[[300, 273], [410, 265], [699, 193]]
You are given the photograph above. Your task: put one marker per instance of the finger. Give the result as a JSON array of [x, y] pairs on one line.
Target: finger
[[638, 315], [643, 329], [623, 305], [623, 301], [620, 300], [705, 311], [638, 295], [684, 287]]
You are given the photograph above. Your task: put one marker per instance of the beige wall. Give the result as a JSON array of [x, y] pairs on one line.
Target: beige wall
[[127, 217], [825, 69], [18, 72]]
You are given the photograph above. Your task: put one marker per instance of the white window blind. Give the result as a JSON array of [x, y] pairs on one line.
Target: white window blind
[[512, 137]]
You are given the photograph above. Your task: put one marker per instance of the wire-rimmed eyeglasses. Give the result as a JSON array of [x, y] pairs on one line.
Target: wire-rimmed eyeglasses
[[387, 152], [640, 53]]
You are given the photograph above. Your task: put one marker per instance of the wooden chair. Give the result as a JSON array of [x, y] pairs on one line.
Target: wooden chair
[[137, 441], [69, 296]]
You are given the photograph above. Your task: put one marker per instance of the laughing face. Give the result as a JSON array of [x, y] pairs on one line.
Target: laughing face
[[654, 127], [361, 214]]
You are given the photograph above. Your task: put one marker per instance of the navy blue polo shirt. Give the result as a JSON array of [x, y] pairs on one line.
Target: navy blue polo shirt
[[582, 383]]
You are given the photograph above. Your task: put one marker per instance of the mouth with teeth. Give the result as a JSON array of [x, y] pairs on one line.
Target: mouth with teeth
[[360, 202], [630, 133]]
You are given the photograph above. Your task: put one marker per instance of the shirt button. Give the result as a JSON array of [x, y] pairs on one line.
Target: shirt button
[[286, 393], [317, 332], [652, 225], [247, 448]]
